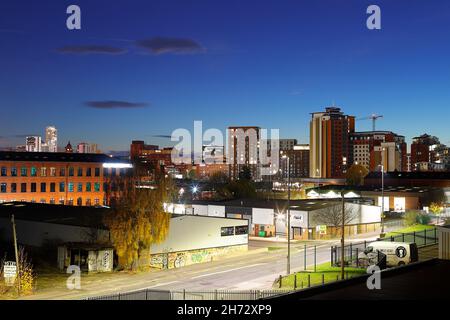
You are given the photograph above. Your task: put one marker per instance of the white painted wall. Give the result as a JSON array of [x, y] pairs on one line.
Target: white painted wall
[[216, 211], [200, 210], [262, 216], [198, 232]]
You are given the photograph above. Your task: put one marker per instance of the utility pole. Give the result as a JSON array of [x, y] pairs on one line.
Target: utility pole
[[382, 198], [288, 216], [16, 253], [343, 237]]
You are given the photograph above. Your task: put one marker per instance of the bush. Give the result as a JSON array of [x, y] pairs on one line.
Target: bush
[[411, 218], [423, 219]]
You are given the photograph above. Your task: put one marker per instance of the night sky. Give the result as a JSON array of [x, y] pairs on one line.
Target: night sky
[[140, 69]]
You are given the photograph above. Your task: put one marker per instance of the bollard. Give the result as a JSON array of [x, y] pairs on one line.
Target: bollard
[[304, 261], [425, 236], [309, 280], [357, 259], [280, 281], [295, 281], [315, 258], [323, 279]]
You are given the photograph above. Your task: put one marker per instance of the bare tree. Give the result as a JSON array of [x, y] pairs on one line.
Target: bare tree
[[332, 215]]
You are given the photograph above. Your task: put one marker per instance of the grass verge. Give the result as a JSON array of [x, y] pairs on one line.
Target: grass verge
[[325, 270]]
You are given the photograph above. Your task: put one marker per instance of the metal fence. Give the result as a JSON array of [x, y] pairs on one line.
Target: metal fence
[[352, 250], [149, 294]]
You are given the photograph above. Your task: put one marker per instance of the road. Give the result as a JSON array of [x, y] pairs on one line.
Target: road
[[255, 270]]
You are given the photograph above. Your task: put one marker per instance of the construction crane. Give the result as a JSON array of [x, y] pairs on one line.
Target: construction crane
[[374, 117]]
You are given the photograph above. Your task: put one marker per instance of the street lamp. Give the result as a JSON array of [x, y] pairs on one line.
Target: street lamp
[[382, 198], [288, 217]]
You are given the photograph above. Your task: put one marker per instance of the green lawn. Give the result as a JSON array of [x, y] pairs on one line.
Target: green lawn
[[274, 248], [329, 273], [424, 234], [410, 229]]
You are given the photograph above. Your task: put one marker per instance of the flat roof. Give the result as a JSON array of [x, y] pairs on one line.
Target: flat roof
[[277, 204], [368, 188], [55, 213], [429, 280], [423, 175], [57, 157]]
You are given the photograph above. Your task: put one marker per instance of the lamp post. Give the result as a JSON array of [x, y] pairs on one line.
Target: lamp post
[[288, 216], [382, 199], [343, 237]]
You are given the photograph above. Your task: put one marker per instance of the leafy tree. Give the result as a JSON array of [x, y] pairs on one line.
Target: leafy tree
[[138, 220], [245, 173], [242, 189], [436, 209], [356, 174]]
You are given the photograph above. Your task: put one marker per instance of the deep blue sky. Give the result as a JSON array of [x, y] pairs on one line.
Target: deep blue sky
[[267, 63]]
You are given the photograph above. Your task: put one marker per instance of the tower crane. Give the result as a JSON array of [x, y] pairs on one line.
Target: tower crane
[[374, 117]]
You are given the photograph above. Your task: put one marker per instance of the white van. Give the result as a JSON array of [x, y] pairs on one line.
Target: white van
[[397, 253]]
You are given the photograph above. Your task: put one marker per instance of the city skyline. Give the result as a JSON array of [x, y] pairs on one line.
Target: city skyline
[[166, 68]]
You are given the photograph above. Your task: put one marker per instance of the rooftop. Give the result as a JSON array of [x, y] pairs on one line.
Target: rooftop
[[57, 157], [387, 188], [410, 175], [277, 204], [54, 213]]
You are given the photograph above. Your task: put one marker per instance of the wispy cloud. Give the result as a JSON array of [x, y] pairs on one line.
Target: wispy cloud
[[91, 49], [161, 45], [164, 136], [115, 104]]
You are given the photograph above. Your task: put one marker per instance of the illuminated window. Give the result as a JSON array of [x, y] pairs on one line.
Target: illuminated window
[[70, 186], [226, 231], [23, 171], [43, 171], [88, 187], [97, 187], [53, 172]]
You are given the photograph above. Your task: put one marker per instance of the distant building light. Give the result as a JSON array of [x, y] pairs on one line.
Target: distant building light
[[117, 165]]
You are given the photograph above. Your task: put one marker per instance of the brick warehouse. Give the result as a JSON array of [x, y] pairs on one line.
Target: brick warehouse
[[57, 178]]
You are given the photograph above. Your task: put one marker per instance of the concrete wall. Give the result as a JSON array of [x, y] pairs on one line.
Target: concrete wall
[[185, 258], [198, 232], [35, 233]]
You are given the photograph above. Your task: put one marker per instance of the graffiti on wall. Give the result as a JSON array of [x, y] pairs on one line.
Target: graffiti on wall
[[185, 258]]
